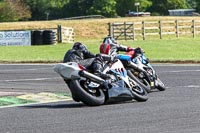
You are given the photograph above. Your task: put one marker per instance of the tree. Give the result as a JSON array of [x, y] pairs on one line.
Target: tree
[[90, 7], [103, 7], [198, 6], [77, 8], [176, 4], [123, 6], [163, 6], [144, 4], [191, 3], [14, 10], [46, 9]]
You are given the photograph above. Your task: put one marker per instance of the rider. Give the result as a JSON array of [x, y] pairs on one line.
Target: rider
[[109, 42], [80, 54]]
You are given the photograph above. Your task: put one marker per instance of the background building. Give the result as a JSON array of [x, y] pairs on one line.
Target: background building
[[182, 12]]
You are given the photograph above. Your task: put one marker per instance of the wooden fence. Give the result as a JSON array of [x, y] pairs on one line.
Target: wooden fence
[[65, 34], [133, 30]]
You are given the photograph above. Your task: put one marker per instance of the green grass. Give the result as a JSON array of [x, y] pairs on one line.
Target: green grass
[[185, 49], [91, 32], [33, 53], [181, 49]]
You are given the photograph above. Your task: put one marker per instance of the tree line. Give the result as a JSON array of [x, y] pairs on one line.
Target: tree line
[[18, 10]]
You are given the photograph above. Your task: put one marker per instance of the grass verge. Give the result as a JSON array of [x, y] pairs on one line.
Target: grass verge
[[165, 50]]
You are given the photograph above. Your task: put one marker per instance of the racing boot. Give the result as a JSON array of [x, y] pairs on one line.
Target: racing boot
[[97, 67]]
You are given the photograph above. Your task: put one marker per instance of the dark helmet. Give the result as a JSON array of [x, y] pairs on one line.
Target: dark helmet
[[79, 46]]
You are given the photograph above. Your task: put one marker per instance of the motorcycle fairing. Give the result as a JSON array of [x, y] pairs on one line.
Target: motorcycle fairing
[[124, 57], [66, 70], [119, 92]]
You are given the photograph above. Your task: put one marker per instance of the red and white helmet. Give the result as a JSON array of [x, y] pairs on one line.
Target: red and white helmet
[[107, 44], [104, 48]]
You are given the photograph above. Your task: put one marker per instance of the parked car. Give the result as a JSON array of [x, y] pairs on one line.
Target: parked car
[[135, 14]]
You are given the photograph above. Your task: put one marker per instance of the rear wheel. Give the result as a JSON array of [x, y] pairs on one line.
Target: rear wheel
[[73, 93], [94, 97]]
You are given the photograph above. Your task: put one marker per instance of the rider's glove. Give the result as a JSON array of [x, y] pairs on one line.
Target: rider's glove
[[129, 49], [139, 50]]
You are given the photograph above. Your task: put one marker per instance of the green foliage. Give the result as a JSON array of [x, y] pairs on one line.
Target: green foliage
[[129, 5], [103, 7], [144, 4], [13, 10], [77, 8], [191, 3], [126, 4], [93, 7], [198, 5], [163, 6], [179, 4], [46, 9]]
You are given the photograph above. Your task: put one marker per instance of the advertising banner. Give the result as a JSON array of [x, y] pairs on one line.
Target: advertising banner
[[9, 38]]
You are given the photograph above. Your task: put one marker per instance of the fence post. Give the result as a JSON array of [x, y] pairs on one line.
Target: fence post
[[193, 26], [143, 30], [160, 27], [59, 33], [110, 29], [133, 30], [125, 37], [177, 29]]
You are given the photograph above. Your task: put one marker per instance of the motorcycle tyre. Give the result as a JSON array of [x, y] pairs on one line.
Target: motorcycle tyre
[[73, 93], [86, 97], [140, 97], [146, 87], [160, 86]]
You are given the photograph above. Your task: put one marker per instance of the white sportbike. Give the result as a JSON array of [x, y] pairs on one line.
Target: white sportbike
[[93, 90]]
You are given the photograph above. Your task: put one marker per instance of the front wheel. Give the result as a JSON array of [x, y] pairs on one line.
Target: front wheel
[[160, 86], [91, 98], [139, 93]]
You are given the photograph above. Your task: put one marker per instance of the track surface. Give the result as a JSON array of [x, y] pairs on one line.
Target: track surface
[[176, 110]]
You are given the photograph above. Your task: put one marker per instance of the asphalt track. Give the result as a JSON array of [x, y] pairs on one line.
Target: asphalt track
[[176, 110]]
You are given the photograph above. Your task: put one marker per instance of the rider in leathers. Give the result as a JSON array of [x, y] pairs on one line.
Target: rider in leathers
[[109, 42], [93, 62]]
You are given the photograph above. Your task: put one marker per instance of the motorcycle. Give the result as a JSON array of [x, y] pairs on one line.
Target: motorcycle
[[137, 65], [139, 68], [93, 90]]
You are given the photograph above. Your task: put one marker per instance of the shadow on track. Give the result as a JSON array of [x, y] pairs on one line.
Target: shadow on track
[[55, 106], [69, 105]]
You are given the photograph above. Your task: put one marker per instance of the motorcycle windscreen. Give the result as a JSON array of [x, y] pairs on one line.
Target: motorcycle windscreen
[[118, 93]]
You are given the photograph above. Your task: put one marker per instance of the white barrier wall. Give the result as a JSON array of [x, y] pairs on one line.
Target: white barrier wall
[[22, 38]]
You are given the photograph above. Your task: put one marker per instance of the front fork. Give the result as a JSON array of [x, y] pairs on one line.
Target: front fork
[[144, 74]]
